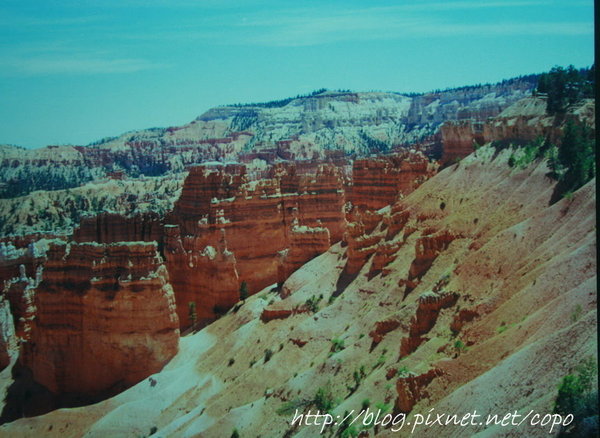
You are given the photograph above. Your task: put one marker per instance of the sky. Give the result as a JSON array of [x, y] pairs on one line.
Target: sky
[[75, 71]]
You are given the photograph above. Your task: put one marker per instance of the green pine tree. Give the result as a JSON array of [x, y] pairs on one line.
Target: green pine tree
[[243, 290], [577, 155], [192, 313]]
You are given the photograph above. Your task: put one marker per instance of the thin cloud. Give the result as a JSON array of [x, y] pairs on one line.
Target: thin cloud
[[18, 21], [56, 65], [320, 25], [307, 31]]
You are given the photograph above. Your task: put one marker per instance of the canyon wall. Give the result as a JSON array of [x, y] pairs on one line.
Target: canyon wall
[[112, 227], [378, 182], [522, 122], [105, 318], [248, 223]]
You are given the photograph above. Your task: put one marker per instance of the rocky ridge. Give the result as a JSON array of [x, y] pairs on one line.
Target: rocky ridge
[[304, 128]]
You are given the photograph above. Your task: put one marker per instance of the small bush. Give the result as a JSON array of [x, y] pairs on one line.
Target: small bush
[[460, 346], [288, 408], [380, 361], [511, 160], [268, 354], [384, 407], [337, 345], [349, 432], [312, 303], [359, 375], [192, 315], [403, 371], [323, 400], [577, 312], [577, 395]]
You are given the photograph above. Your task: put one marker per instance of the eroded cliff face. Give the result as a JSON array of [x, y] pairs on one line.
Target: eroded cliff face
[[203, 273], [304, 244], [112, 227], [378, 182], [21, 260], [8, 339], [521, 122], [105, 318], [251, 222], [227, 228]]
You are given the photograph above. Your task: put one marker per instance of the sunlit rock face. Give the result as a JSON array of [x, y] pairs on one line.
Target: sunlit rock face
[[226, 230], [105, 318], [379, 181], [524, 121]]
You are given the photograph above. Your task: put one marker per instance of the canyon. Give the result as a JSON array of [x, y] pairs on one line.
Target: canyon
[[494, 286], [318, 241]]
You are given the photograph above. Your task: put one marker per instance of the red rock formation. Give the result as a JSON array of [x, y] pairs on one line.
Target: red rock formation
[[523, 121], [257, 217], [279, 311], [412, 389], [370, 219], [202, 185], [386, 253], [378, 182], [430, 304], [299, 342], [320, 201], [305, 243], [360, 246], [19, 293], [391, 373], [396, 221], [272, 314], [461, 318], [459, 138], [105, 318], [382, 328], [11, 260], [428, 310], [8, 339], [111, 227], [427, 249], [202, 274], [410, 344]]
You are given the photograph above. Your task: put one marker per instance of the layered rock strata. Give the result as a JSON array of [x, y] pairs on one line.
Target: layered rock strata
[[378, 182], [305, 243], [8, 339], [524, 121], [298, 214], [105, 318], [111, 227]]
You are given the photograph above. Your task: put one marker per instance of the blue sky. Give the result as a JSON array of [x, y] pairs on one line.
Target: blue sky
[[75, 71]]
